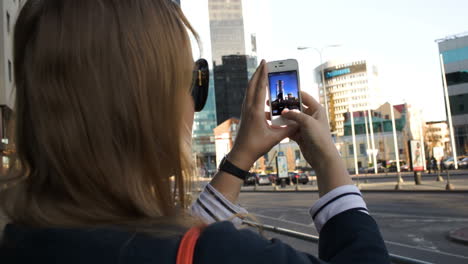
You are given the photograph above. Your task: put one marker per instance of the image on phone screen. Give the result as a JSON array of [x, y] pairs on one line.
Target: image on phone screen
[[284, 91]]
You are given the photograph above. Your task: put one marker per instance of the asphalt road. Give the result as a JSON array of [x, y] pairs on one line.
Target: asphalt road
[[413, 225]]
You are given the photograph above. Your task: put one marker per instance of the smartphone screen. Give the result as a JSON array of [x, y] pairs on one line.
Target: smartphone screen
[[284, 91]]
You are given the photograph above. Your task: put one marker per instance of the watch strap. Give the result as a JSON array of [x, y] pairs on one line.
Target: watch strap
[[230, 168]]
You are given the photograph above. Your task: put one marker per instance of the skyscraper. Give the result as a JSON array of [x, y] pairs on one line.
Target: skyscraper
[[229, 33], [231, 80], [349, 85], [455, 53]]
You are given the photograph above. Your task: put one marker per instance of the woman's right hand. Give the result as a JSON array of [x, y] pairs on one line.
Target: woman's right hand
[[315, 141]]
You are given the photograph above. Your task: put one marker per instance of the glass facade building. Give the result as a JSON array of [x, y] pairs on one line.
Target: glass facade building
[[454, 50], [202, 135]]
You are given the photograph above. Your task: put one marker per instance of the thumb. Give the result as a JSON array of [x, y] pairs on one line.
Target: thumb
[[284, 132], [297, 116]]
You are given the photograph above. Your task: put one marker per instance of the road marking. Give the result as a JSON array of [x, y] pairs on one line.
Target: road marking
[[285, 221], [425, 249], [442, 218], [386, 241]]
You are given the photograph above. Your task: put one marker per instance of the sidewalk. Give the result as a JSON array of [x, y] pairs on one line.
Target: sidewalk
[[459, 185]]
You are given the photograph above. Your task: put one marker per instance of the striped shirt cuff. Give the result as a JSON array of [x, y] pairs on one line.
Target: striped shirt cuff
[[211, 206], [338, 200]]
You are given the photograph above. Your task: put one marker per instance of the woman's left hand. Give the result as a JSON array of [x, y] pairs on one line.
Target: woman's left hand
[[255, 136]]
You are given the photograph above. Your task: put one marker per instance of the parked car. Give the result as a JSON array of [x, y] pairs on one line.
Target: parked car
[[251, 179], [380, 169], [264, 179], [300, 178], [463, 164], [273, 177], [393, 166], [449, 164]]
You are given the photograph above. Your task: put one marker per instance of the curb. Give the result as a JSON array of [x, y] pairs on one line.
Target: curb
[[459, 235]]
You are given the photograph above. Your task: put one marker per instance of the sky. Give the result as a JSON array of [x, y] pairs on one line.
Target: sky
[[397, 36]]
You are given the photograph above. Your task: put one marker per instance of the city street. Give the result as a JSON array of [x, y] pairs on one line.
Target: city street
[[414, 225]]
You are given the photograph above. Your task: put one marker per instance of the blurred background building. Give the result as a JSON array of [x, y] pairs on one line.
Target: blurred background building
[[349, 85], [455, 53], [383, 136], [9, 10], [225, 134], [437, 135]]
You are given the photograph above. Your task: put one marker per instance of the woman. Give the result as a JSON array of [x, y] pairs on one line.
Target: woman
[[103, 127]]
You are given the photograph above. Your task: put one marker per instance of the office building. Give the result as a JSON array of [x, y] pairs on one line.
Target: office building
[[383, 136], [230, 34], [437, 135], [203, 143], [9, 10], [231, 80], [349, 85], [225, 134], [455, 53]]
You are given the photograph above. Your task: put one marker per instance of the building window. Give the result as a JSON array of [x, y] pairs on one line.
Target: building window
[[297, 154], [350, 150], [9, 70], [265, 157], [362, 149], [8, 21]]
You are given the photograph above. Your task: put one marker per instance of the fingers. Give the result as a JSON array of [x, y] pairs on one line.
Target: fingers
[[251, 89], [297, 116], [310, 102], [284, 132], [260, 89]]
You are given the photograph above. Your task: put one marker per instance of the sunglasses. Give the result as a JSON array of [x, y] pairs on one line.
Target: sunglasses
[[200, 84]]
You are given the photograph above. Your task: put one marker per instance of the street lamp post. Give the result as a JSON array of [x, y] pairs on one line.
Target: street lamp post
[[322, 70]]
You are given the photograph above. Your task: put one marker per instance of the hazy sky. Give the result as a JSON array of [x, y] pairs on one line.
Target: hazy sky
[[398, 36]]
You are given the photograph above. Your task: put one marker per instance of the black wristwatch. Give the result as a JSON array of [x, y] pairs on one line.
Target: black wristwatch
[[230, 168]]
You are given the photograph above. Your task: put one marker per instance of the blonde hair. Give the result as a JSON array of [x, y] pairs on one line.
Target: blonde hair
[[99, 119]]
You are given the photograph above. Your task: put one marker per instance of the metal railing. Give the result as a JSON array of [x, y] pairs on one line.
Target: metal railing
[[315, 239]]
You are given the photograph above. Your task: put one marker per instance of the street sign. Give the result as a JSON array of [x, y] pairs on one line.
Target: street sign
[[282, 164]]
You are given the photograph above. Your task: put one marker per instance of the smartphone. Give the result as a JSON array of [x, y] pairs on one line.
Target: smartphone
[[284, 90]]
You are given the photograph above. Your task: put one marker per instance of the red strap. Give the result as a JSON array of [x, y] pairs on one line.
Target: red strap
[[187, 245]]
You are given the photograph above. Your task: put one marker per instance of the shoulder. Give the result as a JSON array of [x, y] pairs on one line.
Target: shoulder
[[222, 242]]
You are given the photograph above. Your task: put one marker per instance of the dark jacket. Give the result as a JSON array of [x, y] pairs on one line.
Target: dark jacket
[[349, 237]]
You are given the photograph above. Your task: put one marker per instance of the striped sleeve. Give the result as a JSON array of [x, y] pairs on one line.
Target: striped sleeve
[[211, 206], [338, 200]]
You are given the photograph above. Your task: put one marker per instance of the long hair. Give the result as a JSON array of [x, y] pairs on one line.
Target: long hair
[[101, 93]]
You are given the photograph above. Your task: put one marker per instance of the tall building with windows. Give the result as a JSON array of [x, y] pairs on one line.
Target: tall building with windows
[[455, 53], [9, 10], [350, 86], [203, 140], [229, 34], [231, 80]]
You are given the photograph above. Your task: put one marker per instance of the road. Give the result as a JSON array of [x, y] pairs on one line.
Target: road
[[413, 224]]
